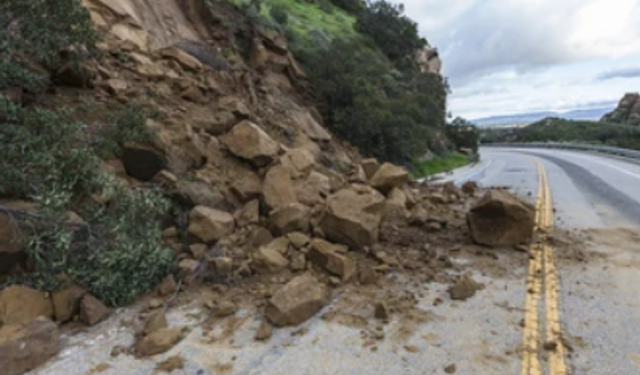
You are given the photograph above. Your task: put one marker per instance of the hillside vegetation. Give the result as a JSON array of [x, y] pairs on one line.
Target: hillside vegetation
[[364, 75], [562, 130]]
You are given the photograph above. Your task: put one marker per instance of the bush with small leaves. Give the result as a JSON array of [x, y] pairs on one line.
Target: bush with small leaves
[[46, 32], [116, 251]]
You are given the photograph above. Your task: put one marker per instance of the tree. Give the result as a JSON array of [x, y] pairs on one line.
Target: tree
[[395, 34]]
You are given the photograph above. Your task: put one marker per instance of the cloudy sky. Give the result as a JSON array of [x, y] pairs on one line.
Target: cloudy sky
[[513, 56]]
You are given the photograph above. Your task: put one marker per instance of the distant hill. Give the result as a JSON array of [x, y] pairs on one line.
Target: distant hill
[[563, 130], [531, 117], [627, 111]]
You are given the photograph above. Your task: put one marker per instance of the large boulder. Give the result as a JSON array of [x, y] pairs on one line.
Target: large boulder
[[353, 216], [389, 176], [500, 219], [296, 302], [24, 347], [142, 162], [327, 255], [278, 188], [20, 304], [209, 224], [290, 218], [248, 141]]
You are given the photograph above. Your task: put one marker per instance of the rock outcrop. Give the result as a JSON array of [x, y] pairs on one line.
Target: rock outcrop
[[627, 112]]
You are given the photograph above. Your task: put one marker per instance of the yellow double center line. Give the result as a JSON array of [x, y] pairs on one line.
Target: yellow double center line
[[542, 279]]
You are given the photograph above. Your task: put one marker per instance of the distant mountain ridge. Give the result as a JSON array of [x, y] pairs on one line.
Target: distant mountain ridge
[[526, 118], [627, 111]]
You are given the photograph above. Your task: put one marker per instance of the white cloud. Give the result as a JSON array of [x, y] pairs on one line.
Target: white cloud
[[509, 55]]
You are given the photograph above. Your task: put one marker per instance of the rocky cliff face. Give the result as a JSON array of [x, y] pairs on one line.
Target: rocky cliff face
[[627, 112], [428, 60]]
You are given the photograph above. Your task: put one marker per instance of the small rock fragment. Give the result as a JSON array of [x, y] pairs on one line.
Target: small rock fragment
[[158, 342], [224, 308], [92, 311], [264, 332], [450, 369], [464, 288], [167, 286], [381, 311], [155, 322]]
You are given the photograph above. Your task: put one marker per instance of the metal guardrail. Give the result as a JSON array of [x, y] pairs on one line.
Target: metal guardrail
[[571, 146]]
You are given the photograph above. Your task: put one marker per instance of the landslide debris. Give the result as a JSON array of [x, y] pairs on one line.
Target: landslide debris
[[266, 197]]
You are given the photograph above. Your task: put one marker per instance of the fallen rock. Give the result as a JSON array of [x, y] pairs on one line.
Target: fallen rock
[[450, 369], [11, 245], [469, 187], [248, 141], [296, 302], [167, 286], [24, 347], [464, 288], [314, 189], [298, 262], [370, 167], [142, 162], [278, 188], [389, 176], [249, 214], [269, 260], [224, 308], [290, 218], [367, 275], [158, 342], [66, 303], [327, 256], [155, 322], [353, 217], [310, 126], [209, 224], [298, 160], [298, 240], [198, 193], [265, 331], [395, 207], [92, 311], [20, 304], [246, 185], [500, 219], [381, 311]]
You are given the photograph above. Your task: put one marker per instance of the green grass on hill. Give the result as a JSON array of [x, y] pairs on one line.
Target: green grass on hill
[[439, 165], [312, 23]]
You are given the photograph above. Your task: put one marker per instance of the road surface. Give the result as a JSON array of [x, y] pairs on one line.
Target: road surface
[[590, 310]]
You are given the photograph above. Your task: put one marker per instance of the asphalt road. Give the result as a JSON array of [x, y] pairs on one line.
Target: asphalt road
[[599, 300]]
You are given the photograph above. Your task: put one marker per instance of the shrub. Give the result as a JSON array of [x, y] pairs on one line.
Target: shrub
[[385, 113], [125, 124], [279, 14], [116, 252], [463, 134], [46, 32]]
